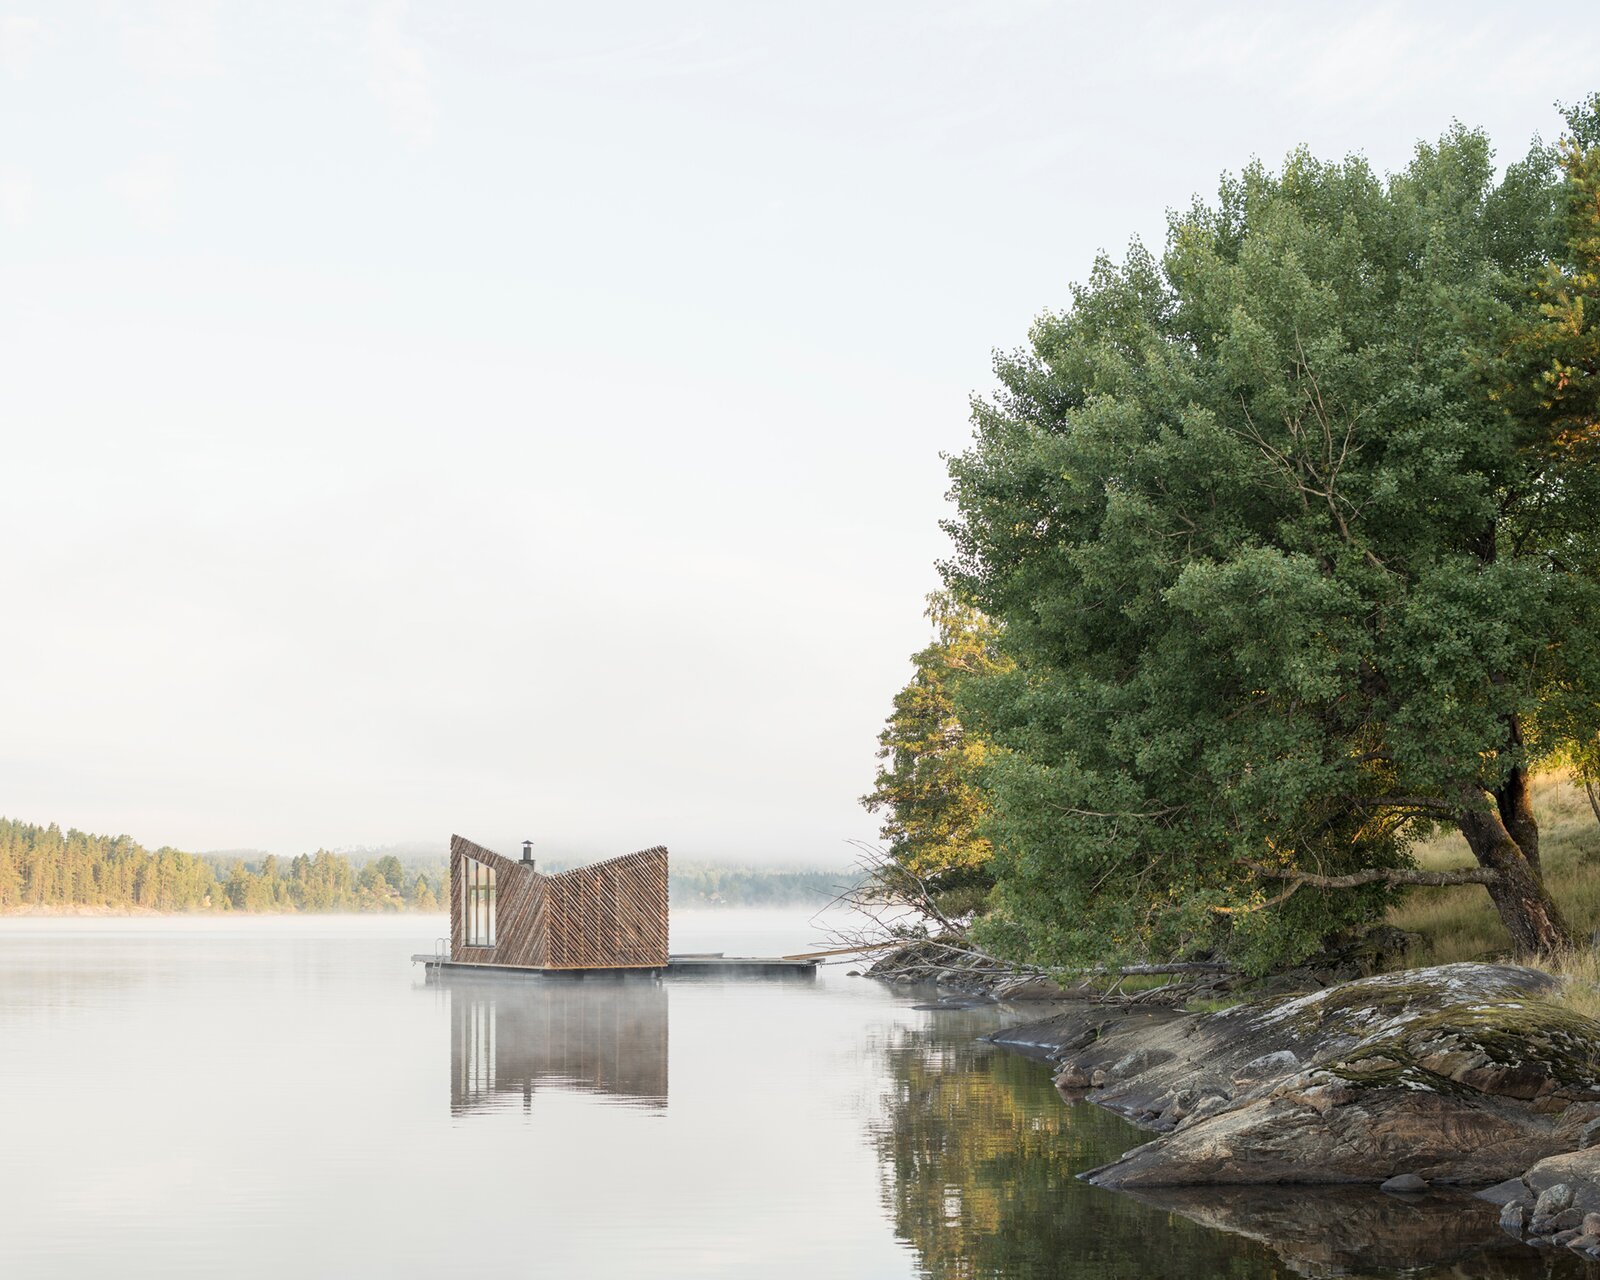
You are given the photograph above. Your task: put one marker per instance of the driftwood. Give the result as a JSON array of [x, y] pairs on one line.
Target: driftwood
[[895, 909]]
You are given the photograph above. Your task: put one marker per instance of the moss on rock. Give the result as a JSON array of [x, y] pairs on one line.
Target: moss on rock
[[1511, 1048]]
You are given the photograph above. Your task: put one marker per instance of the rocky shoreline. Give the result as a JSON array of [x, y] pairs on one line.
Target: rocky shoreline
[[1556, 1202], [1428, 1083]]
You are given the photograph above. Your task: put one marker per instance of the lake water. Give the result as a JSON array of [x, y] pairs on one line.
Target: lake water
[[288, 1097]]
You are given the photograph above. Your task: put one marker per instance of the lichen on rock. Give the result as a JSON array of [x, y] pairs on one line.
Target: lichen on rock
[[1459, 1074]]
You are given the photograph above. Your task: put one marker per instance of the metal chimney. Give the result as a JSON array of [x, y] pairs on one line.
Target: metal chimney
[[527, 854]]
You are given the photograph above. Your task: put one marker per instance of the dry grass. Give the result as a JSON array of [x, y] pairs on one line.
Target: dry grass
[[1460, 923], [1581, 970], [1213, 1004]]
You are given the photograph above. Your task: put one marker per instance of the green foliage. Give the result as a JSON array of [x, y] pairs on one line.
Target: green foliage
[[45, 867], [1554, 364], [48, 869], [1559, 349], [326, 881], [391, 872], [1281, 564], [928, 786]]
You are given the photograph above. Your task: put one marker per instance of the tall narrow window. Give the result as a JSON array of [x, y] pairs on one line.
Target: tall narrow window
[[480, 904]]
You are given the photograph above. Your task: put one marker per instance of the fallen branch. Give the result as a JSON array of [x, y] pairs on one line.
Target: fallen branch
[[879, 908], [1375, 875], [854, 950], [1380, 875]]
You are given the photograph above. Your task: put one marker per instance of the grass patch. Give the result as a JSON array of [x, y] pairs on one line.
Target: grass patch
[[1460, 923], [1213, 1004], [1580, 970]]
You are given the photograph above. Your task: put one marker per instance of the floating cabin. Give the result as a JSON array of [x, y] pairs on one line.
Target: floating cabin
[[612, 915], [506, 916]]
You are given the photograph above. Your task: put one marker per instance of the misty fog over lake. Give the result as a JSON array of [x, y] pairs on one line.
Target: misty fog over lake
[[288, 1096]]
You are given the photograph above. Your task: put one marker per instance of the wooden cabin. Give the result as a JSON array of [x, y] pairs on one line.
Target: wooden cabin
[[610, 915]]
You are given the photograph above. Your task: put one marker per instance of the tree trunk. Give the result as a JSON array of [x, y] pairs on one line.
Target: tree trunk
[[1515, 802], [1590, 790], [1530, 915]]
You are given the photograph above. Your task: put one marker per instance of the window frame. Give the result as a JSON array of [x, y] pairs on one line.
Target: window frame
[[479, 903]]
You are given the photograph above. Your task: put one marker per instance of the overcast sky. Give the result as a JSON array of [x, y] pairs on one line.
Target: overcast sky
[[524, 419]]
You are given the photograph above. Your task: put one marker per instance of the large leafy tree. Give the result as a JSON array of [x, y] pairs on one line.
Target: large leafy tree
[[1293, 556], [1555, 359]]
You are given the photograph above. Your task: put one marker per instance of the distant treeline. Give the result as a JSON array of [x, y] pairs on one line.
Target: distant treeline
[[46, 867], [706, 884]]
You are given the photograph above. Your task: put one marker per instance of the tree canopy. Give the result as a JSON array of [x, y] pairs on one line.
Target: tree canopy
[[1294, 534]]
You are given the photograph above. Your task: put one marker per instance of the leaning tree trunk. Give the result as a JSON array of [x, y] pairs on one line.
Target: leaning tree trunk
[[1530, 915], [1515, 802], [1593, 792]]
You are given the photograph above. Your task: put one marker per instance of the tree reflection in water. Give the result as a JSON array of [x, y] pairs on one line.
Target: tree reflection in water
[[979, 1153]]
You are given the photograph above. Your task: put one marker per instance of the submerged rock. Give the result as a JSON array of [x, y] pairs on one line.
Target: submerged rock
[[1510, 1191], [1344, 1231], [1463, 1073]]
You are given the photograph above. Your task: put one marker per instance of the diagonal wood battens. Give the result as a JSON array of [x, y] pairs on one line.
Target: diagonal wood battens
[[612, 915]]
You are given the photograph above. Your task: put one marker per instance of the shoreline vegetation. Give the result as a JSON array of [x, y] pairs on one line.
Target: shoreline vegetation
[[1464, 1085], [1276, 555], [48, 871], [1260, 723], [1422, 927]]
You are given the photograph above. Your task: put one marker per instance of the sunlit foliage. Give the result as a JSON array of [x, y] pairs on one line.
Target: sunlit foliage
[[45, 868], [1284, 565], [928, 785]]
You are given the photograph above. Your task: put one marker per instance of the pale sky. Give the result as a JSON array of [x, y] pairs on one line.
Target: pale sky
[[524, 419]]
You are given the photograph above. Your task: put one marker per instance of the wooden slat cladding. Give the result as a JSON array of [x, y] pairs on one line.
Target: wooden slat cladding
[[611, 915]]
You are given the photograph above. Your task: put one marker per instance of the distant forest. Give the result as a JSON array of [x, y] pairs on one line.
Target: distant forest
[[708, 884], [46, 868]]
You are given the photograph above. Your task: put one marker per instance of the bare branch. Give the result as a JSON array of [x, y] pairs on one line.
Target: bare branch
[[1380, 875], [1096, 813], [1323, 472], [1424, 804], [1260, 906]]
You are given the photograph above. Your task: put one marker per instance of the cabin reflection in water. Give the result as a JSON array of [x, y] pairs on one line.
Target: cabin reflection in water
[[508, 1039]]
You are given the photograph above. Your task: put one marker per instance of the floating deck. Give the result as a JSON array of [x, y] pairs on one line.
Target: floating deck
[[700, 964]]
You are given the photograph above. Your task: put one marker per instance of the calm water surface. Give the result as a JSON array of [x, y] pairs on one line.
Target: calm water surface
[[288, 1097]]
